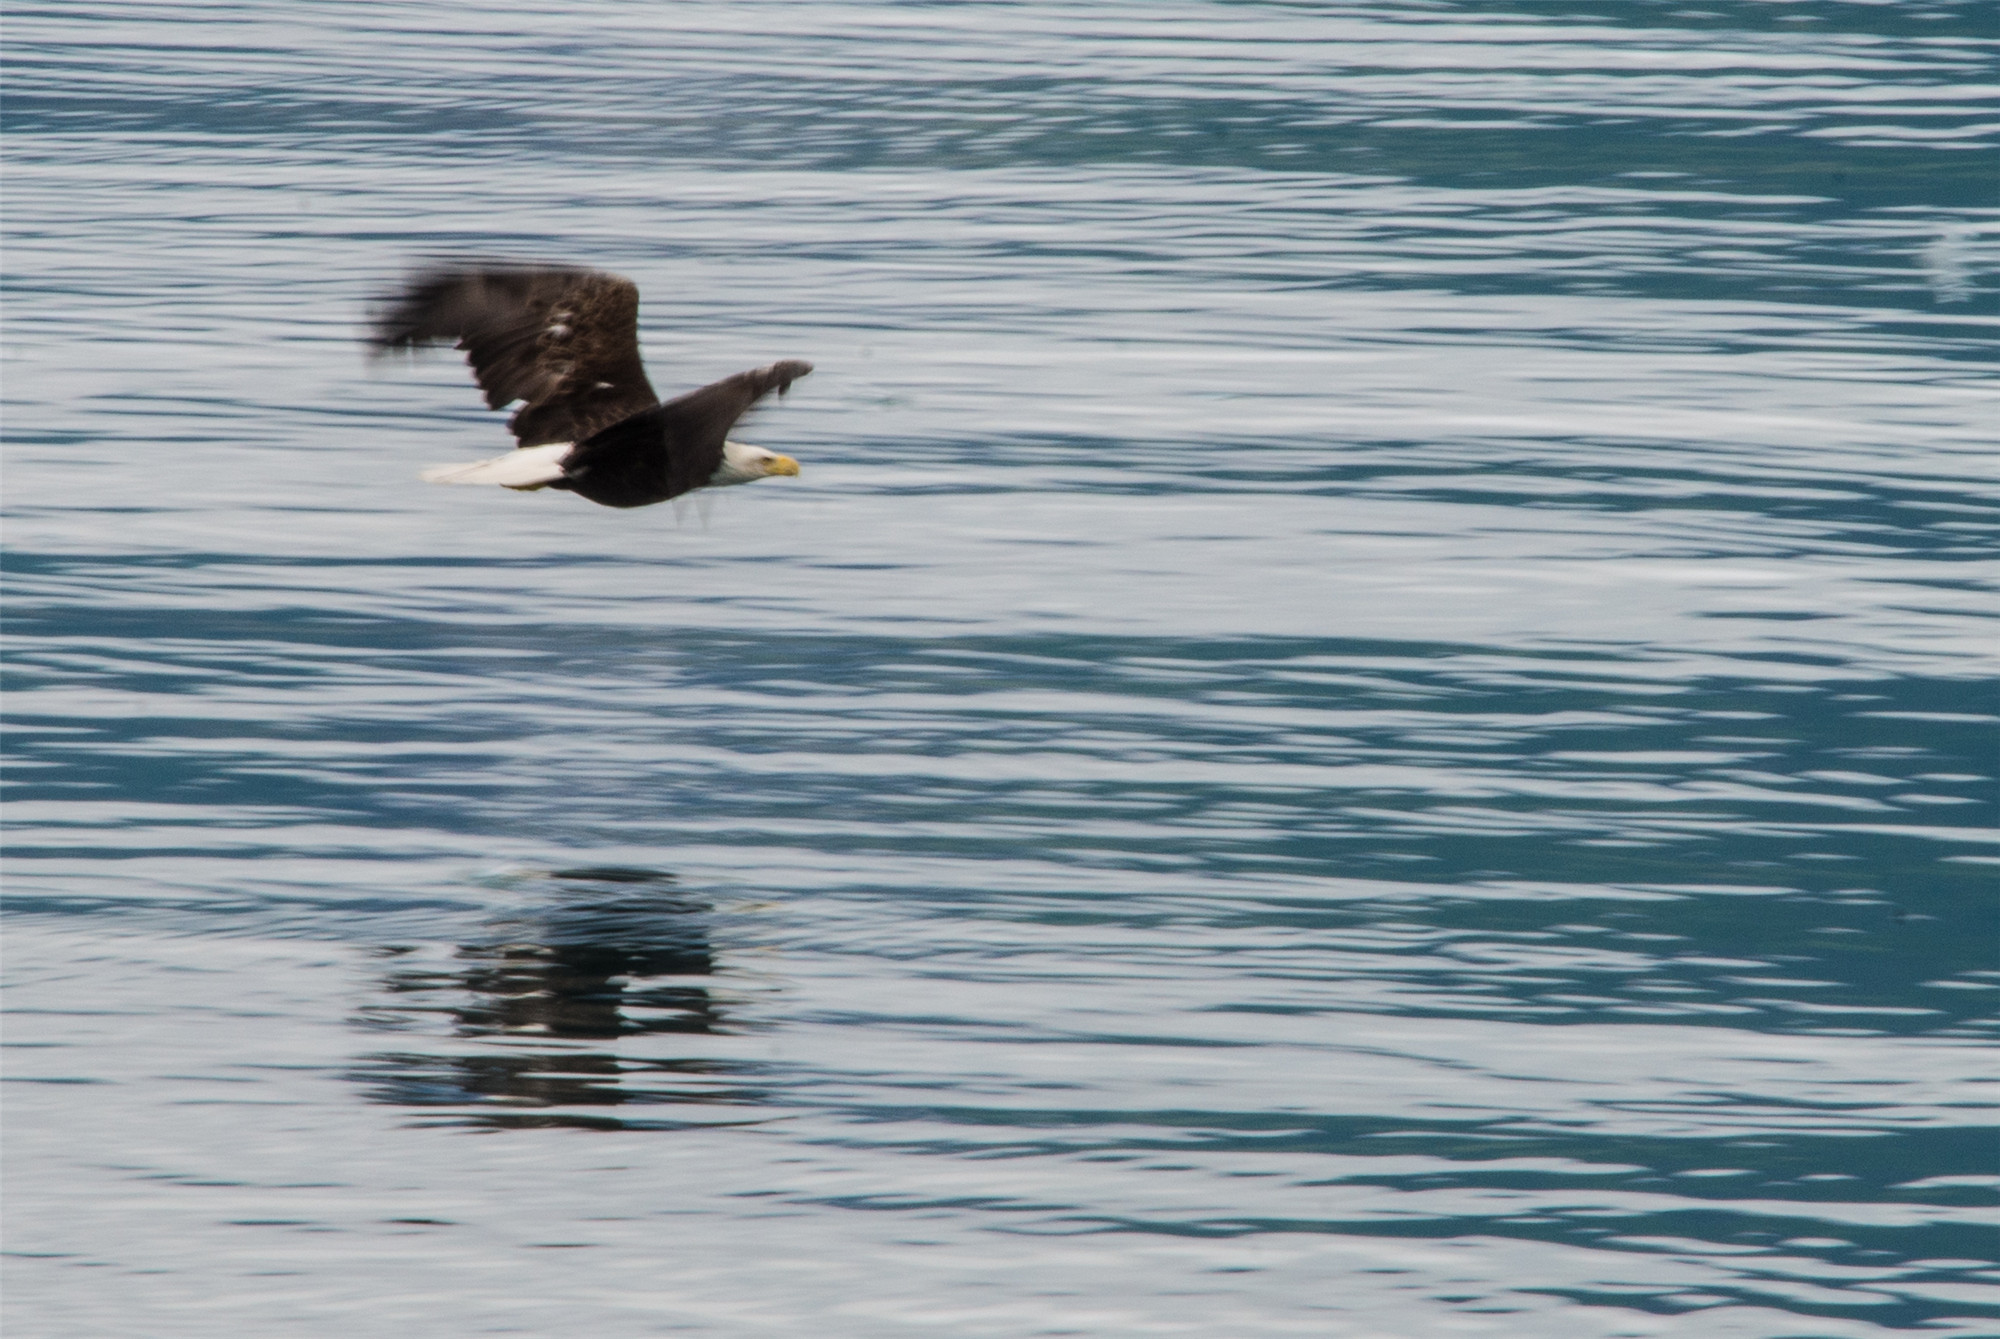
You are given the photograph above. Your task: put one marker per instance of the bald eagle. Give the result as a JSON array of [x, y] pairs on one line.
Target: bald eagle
[[565, 342]]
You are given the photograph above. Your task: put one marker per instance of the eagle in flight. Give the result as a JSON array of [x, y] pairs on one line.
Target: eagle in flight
[[564, 341]]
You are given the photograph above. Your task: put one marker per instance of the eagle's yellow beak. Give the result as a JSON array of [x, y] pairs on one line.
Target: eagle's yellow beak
[[781, 465]]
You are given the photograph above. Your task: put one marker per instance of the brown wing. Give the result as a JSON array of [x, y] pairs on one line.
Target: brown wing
[[673, 449], [697, 424], [564, 340]]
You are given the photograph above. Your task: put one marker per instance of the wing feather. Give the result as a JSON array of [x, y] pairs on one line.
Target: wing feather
[[561, 339]]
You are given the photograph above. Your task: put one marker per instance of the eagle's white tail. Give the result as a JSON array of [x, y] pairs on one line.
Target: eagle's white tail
[[529, 467]]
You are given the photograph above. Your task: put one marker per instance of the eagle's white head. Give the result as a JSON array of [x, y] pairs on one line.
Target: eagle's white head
[[742, 462]]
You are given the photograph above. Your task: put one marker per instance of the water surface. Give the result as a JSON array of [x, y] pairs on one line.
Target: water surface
[[1373, 715]]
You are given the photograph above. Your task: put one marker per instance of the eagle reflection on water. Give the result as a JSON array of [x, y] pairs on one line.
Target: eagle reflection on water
[[610, 956]]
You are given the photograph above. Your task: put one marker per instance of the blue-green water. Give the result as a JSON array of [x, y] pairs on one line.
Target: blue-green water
[[1373, 715]]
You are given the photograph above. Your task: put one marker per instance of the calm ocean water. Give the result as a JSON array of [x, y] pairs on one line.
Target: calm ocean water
[[1373, 715]]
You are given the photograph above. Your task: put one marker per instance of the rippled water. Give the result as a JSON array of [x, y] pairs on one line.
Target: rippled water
[[1373, 716]]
